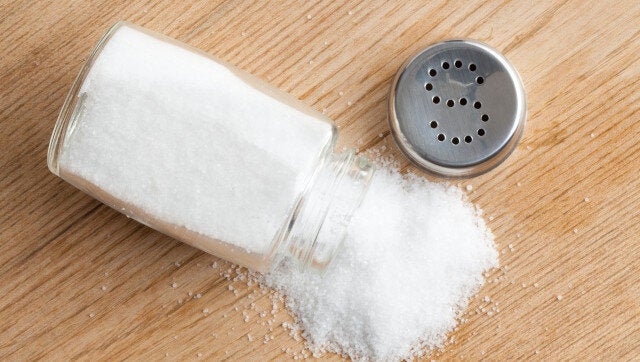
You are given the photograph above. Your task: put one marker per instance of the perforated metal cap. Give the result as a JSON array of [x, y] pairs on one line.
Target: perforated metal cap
[[457, 108]]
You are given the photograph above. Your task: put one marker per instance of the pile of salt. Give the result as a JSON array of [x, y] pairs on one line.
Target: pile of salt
[[415, 253]]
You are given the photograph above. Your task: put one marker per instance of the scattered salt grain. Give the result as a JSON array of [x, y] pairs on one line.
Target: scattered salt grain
[[103, 288], [469, 187], [586, 199], [362, 306], [91, 315], [174, 285], [559, 297]]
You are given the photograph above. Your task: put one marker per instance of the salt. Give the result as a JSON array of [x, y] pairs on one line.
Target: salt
[[155, 119], [414, 254], [162, 131]]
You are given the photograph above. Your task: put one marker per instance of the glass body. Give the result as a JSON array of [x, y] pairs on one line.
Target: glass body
[[206, 153]]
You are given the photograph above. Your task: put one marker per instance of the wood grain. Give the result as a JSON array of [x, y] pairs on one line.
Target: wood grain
[[579, 61]]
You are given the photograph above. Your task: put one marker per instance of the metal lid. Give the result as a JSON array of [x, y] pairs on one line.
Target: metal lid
[[457, 108]]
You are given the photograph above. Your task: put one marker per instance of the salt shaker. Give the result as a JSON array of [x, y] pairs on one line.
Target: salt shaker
[[206, 153]]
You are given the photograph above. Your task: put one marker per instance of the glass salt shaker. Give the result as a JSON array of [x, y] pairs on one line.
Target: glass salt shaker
[[206, 153]]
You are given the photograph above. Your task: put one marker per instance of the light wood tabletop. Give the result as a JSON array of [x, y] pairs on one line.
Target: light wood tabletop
[[81, 281]]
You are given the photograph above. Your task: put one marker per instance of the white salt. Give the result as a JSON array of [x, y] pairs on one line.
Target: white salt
[[187, 140], [415, 253]]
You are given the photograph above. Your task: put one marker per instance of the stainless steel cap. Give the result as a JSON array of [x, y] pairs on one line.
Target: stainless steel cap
[[457, 108]]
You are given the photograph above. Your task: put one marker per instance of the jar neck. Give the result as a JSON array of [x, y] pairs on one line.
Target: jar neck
[[320, 220]]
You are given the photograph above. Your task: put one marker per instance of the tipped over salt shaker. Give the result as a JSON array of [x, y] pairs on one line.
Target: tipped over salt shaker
[[206, 153]]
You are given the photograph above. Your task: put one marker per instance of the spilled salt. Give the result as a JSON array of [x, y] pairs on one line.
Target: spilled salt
[[414, 254]]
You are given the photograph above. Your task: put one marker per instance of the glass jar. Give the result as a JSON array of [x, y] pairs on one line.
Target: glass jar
[[206, 153]]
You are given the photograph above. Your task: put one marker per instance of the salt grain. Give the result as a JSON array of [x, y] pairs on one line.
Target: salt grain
[[414, 254]]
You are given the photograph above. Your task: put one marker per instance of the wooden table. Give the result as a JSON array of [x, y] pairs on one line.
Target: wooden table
[[81, 281]]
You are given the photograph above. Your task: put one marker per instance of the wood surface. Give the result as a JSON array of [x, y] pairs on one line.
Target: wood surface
[[81, 281]]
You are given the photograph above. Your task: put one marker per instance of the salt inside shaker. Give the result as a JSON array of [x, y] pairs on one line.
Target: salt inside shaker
[[206, 153]]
